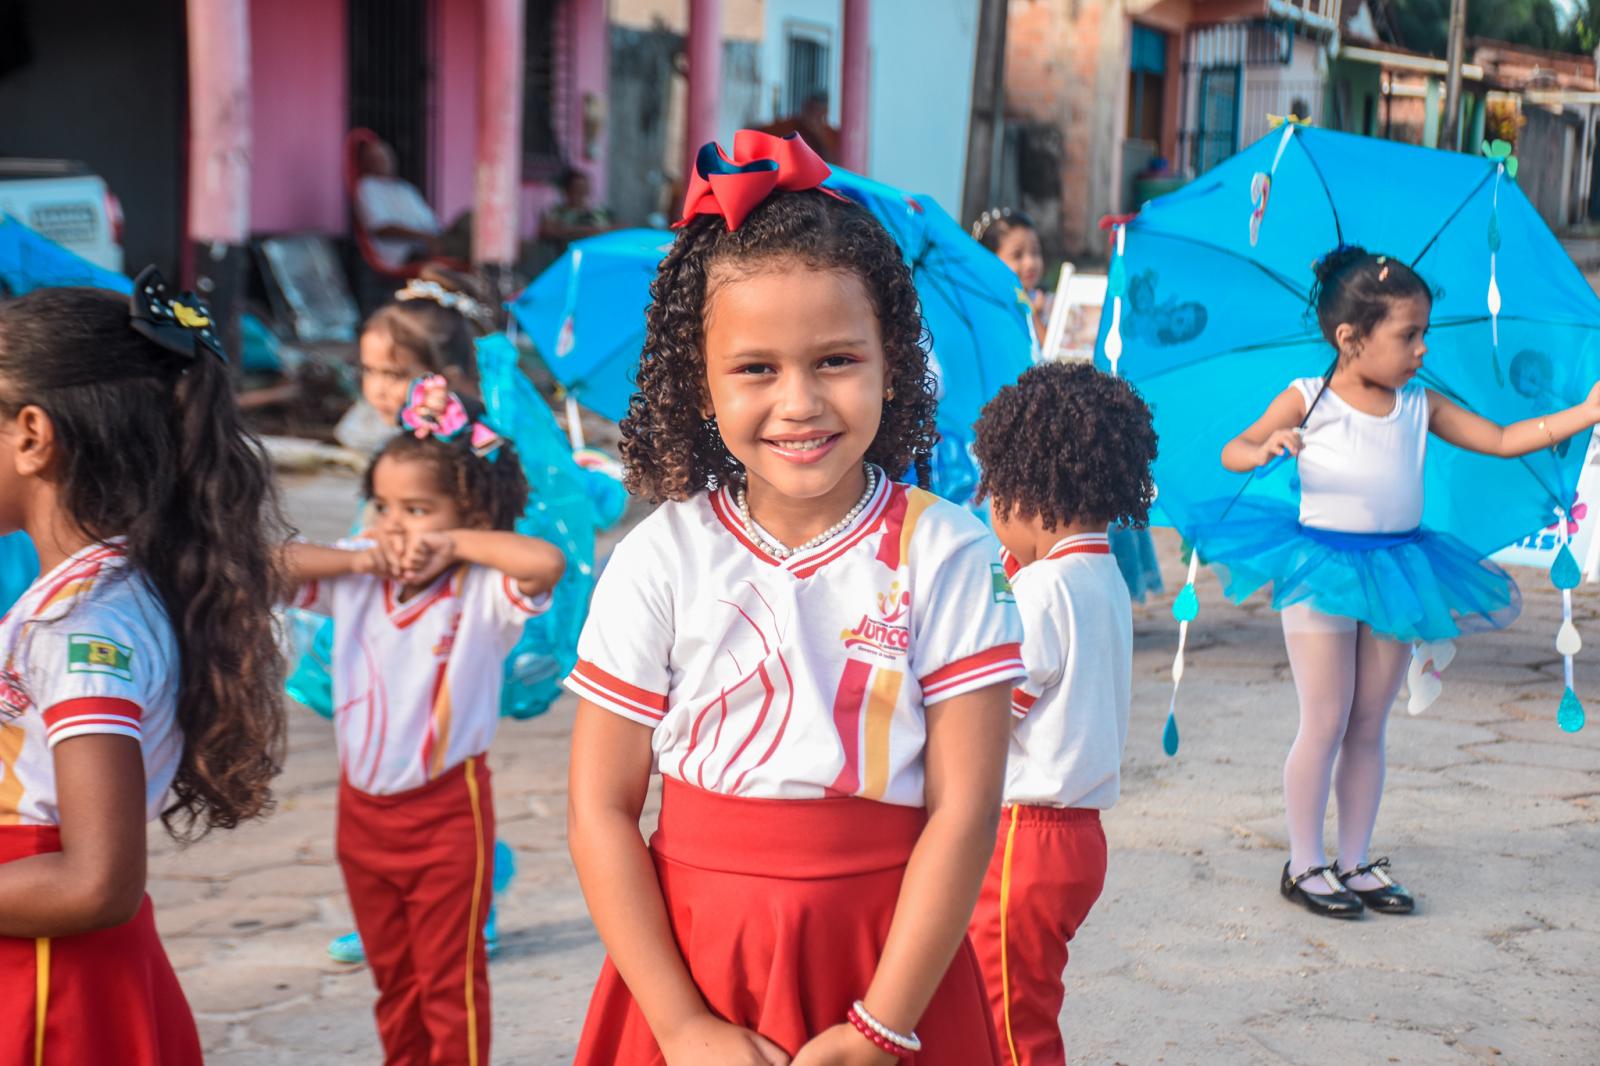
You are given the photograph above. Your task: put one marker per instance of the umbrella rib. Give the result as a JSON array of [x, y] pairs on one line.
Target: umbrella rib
[[1434, 383], [1268, 271], [934, 283], [1446, 224], [1338, 229]]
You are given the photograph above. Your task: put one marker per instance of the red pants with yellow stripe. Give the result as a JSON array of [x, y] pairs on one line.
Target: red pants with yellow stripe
[[418, 867], [104, 997], [1048, 868]]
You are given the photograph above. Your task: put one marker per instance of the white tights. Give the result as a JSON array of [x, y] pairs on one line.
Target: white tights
[[1346, 677]]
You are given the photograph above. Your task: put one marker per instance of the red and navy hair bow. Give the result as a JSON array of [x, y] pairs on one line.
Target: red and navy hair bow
[[761, 165]]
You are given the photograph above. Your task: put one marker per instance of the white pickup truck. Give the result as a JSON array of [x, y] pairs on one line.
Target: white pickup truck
[[66, 202]]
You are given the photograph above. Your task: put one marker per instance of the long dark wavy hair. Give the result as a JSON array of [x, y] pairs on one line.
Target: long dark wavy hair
[[151, 449], [668, 449]]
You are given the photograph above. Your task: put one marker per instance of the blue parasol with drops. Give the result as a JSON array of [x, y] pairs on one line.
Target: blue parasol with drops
[[1210, 316]]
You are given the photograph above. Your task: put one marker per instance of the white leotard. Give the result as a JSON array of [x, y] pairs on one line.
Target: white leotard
[[1362, 473]]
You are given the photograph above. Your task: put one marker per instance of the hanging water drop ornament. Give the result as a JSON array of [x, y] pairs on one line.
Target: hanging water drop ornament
[[1568, 642], [1570, 716], [1186, 605], [1185, 608], [1117, 277], [1564, 572], [1117, 283], [1565, 575], [1261, 181], [1493, 298]]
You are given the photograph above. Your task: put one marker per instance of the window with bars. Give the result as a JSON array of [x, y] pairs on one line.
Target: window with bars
[[809, 68], [543, 54], [1147, 84], [391, 79]]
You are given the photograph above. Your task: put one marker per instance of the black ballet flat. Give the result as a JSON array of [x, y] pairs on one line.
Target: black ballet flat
[[1341, 903], [1391, 898]]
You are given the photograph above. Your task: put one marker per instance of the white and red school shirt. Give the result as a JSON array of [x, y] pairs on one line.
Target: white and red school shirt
[[416, 684], [87, 649], [806, 677], [1071, 712]]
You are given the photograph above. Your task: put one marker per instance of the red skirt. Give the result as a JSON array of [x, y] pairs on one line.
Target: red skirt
[[781, 909], [101, 997]]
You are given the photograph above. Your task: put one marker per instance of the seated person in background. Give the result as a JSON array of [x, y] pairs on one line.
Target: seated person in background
[[812, 126], [400, 223], [573, 217]]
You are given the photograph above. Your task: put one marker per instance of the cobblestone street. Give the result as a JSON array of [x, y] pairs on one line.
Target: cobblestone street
[[1492, 816]]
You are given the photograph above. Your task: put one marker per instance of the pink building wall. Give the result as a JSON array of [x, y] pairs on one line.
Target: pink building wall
[[298, 58], [297, 75], [457, 42]]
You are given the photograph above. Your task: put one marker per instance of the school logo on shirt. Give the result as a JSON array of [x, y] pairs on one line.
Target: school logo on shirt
[[14, 699], [91, 654], [1000, 584], [885, 635]]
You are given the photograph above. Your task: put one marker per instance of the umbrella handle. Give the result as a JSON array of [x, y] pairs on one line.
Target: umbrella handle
[[1266, 469]]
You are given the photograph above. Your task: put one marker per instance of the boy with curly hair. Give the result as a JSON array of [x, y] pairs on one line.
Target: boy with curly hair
[[1065, 452]]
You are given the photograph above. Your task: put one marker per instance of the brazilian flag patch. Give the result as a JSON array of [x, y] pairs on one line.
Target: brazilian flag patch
[[88, 653], [1000, 584]]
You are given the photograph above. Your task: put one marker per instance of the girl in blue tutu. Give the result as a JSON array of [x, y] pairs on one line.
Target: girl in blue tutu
[[1354, 574]]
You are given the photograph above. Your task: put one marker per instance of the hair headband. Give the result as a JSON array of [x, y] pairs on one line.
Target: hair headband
[[458, 302]]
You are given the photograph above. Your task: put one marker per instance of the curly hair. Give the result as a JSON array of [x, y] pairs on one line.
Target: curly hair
[[1066, 443], [492, 490], [153, 450], [670, 451]]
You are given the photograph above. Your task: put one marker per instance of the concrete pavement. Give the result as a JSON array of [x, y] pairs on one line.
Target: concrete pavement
[[1492, 816]]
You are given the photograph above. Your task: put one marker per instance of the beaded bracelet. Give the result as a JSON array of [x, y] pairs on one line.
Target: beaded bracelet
[[867, 1031], [906, 1043]]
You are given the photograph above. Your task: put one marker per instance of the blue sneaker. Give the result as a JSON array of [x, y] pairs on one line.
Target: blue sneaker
[[347, 948], [491, 932]]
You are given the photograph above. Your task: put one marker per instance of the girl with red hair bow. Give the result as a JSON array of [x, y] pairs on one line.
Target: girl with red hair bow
[[816, 658]]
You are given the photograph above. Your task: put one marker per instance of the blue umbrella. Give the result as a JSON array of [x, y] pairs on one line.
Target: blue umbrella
[[1210, 316], [974, 306], [29, 261], [585, 314]]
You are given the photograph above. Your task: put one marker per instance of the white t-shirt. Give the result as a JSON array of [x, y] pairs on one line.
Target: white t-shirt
[[1071, 713], [87, 649], [1362, 473], [416, 685], [803, 678], [384, 202]]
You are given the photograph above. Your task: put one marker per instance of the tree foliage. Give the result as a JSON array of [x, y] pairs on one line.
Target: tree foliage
[[1424, 25]]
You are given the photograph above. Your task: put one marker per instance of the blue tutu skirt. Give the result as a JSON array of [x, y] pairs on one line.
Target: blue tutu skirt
[[1413, 586]]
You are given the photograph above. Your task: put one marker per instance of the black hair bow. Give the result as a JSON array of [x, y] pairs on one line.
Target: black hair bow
[[181, 324]]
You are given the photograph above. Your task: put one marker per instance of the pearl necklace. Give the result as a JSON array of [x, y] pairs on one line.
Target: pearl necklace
[[783, 551]]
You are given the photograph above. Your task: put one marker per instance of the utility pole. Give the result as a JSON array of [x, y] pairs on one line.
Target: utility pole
[[1449, 135], [986, 125]]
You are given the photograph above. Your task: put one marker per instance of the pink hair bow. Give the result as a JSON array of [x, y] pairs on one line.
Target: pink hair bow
[[432, 410]]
